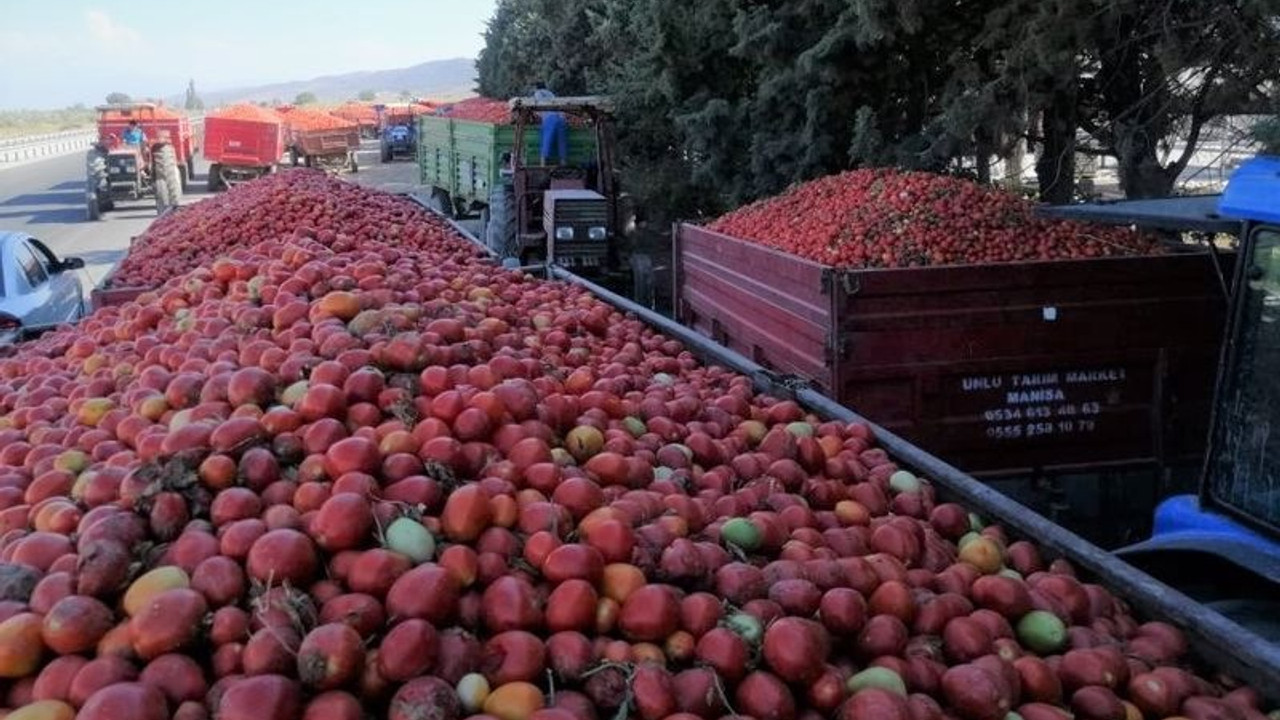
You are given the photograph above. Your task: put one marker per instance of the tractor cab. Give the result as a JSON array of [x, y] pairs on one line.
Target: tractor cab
[[1221, 545], [568, 213]]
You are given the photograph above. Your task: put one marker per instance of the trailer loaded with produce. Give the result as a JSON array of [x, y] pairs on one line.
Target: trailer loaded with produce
[[242, 142], [464, 147], [343, 466], [950, 313], [321, 140]]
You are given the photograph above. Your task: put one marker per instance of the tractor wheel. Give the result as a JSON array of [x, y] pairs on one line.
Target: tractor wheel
[[161, 188], [213, 181], [95, 175], [355, 167], [165, 166], [386, 151], [500, 232], [439, 202]]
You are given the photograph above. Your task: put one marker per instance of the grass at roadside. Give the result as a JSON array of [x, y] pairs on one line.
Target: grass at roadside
[[19, 123]]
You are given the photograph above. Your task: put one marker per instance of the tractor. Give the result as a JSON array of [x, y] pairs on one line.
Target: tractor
[[116, 170], [397, 133], [573, 215]]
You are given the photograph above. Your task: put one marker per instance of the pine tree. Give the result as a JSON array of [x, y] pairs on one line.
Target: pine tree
[[193, 101]]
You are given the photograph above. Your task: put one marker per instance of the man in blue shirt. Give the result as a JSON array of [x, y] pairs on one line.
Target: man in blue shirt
[[555, 131], [133, 135]]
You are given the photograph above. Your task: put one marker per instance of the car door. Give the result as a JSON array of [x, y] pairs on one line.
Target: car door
[[44, 310], [66, 290]]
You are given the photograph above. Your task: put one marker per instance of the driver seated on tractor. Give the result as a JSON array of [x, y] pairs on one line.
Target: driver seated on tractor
[[133, 135], [555, 131]]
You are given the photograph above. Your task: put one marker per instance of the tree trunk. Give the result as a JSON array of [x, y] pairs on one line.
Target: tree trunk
[[1013, 162], [984, 150], [1141, 174], [1056, 163]]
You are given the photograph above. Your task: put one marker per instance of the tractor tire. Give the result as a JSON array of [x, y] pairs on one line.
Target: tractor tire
[[500, 234], [355, 167], [95, 174], [439, 203], [213, 181], [386, 151], [161, 188], [165, 167]]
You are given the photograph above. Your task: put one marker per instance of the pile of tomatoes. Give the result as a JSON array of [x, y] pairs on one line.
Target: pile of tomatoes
[[337, 466], [885, 218]]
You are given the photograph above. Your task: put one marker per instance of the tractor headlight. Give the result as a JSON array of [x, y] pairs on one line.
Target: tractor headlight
[[130, 167], [564, 233], [115, 169], [597, 233]]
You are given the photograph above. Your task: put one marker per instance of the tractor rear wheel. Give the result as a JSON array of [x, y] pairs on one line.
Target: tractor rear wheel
[[166, 171], [386, 151], [500, 231], [213, 181], [161, 187], [439, 202], [95, 176]]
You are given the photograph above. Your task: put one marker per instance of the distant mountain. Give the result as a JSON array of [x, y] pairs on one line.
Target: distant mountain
[[443, 79]]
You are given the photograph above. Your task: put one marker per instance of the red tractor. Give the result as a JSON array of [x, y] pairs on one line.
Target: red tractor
[[142, 150]]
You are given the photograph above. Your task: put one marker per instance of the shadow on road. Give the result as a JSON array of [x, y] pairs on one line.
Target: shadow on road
[[46, 217], [69, 185], [45, 198]]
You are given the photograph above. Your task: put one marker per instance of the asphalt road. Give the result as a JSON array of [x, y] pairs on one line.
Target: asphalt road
[[46, 199]]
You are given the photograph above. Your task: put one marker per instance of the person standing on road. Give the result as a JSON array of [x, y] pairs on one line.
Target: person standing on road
[[555, 131], [133, 135]]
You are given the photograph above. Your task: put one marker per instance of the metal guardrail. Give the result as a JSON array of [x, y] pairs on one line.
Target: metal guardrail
[[31, 147], [6, 143], [17, 150]]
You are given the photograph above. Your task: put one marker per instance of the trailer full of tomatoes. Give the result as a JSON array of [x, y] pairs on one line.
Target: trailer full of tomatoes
[[336, 465], [883, 217]]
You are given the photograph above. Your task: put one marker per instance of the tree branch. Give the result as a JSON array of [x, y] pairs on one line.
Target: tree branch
[[1198, 119]]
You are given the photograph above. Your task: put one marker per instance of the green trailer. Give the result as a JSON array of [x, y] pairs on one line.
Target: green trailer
[[461, 160]]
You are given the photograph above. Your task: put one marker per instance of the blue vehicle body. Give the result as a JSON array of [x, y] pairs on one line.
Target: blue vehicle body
[[1222, 545], [399, 141]]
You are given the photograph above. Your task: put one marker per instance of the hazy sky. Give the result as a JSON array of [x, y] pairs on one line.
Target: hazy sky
[[59, 52]]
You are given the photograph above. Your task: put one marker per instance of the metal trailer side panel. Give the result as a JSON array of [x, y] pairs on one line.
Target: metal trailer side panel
[[757, 301], [1104, 360], [1000, 367], [435, 153], [335, 141], [242, 143], [465, 158]]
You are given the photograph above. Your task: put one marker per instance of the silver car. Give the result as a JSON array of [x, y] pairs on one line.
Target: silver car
[[37, 290]]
